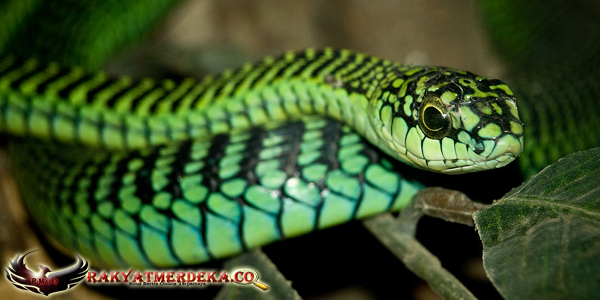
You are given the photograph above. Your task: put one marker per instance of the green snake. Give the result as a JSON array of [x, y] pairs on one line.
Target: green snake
[[190, 171], [171, 173]]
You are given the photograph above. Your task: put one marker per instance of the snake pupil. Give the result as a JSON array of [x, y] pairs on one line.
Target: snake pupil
[[434, 119]]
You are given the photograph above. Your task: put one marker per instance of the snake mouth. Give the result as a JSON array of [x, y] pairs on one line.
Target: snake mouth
[[504, 151], [463, 159], [459, 158], [468, 166]]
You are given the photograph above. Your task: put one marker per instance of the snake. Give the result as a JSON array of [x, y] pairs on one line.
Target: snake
[[163, 173], [169, 173]]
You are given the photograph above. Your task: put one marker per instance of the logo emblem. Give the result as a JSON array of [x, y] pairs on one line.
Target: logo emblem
[[46, 282]]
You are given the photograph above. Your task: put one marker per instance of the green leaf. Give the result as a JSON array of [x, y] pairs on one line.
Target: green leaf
[[542, 240]]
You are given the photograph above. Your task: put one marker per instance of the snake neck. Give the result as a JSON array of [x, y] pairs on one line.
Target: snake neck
[[70, 105]]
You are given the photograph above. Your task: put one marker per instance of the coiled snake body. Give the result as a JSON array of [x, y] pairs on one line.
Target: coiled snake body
[[149, 173]]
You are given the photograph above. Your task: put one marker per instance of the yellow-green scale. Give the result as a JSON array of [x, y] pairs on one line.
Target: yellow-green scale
[[124, 125]]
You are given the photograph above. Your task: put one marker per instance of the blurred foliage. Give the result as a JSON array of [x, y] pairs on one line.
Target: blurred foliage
[[543, 32], [550, 52]]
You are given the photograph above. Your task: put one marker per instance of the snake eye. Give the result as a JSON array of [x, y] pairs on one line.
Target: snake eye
[[434, 120]]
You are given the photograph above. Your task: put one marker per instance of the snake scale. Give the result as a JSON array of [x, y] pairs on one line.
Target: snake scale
[[169, 173]]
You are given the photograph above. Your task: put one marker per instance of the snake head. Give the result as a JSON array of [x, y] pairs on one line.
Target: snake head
[[447, 121]]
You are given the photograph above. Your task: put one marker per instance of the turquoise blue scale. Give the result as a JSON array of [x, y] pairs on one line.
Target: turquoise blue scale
[[164, 207]]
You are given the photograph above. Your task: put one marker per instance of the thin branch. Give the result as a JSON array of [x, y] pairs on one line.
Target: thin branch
[[279, 287], [416, 257], [398, 235]]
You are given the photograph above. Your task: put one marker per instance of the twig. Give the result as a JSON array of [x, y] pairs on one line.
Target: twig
[[398, 235]]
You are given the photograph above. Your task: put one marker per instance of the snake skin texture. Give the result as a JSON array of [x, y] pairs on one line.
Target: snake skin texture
[[170, 173]]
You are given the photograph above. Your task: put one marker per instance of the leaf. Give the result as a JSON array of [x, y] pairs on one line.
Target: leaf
[[542, 239]]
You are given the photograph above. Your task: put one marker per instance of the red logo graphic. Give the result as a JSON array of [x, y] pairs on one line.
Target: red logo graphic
[[46, 282]]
